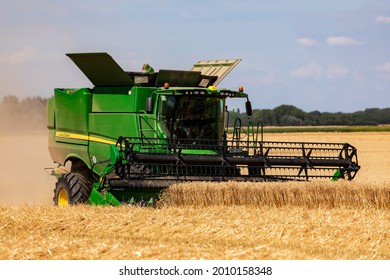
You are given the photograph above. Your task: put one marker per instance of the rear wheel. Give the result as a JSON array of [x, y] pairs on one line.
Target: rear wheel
[[71, 188]]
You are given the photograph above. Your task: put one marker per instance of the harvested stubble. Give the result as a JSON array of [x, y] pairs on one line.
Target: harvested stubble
[[278, 194], [215, 232]]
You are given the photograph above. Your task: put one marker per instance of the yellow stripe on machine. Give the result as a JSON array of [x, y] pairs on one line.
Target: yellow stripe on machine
[[83, 137]]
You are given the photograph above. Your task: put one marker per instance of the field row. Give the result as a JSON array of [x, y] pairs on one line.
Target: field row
[[215, 232]]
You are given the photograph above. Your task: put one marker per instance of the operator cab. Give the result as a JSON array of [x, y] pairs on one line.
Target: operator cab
[[191, 117]]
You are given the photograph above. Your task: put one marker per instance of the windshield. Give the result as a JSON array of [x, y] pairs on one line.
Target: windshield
[[191, 117]]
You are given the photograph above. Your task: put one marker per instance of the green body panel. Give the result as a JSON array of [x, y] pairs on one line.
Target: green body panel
[[67, 121], [82, 123], [115, 103], [113, 125], [96, 198], [105, 129], [139, 95], [72, 110], [50, 120], [120, 99], [61, 151]]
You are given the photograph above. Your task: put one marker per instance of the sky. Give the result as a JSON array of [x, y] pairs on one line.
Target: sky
[[330, 56]]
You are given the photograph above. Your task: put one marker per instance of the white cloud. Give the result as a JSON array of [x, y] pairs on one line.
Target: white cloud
[[335, 71], [265, 77], [19, 56], [382, 19], [342, 41], [316, 71], [306, 42], [385, 68], [311, 70]]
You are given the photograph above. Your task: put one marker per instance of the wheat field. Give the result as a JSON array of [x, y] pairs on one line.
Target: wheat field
[[294, 220]]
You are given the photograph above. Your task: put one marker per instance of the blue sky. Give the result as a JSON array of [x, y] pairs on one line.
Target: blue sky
[[317, 55]]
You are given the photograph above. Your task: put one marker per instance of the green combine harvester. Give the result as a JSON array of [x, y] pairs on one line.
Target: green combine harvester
[[136, 133]]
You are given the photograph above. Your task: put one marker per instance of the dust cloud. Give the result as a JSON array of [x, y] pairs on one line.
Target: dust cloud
[[24, 153], [23, 157]]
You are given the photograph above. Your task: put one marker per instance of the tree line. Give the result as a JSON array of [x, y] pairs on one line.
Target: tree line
[[288, 115], [18, 115], [30, 114]]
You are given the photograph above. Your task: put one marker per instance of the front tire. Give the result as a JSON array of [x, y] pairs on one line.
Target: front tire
[[70, 189]]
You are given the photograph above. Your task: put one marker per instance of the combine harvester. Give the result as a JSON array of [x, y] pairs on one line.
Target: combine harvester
[[136, 133]]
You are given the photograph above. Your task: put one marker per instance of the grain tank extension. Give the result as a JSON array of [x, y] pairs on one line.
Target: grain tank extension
[[136, 133]]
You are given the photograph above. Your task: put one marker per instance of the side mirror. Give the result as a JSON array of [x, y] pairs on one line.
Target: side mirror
[[248, 107], [149, 105]]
